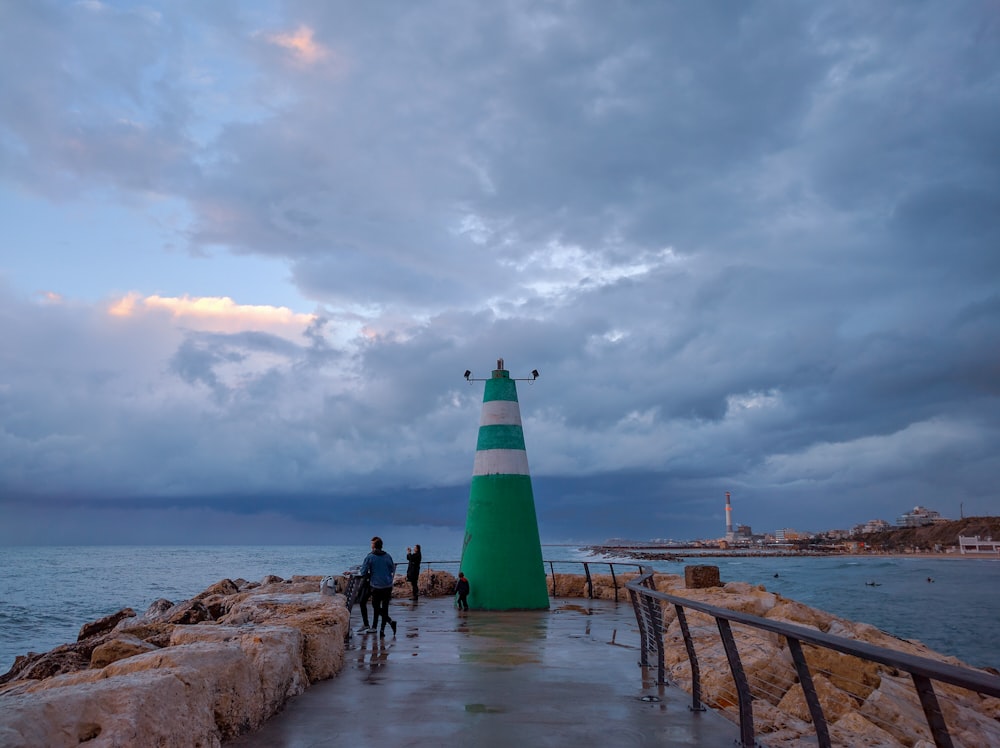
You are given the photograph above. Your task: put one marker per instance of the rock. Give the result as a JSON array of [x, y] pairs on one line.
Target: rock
[[275, 652], [699, 577], [321, 619], [854, 730], [222, 587], [799, 614], [313, 579], [835, 702], [65, 659], [157, 633], [895, 708], [139, 708], [216, 605], [157, 608], [187, 612], [437, 583], [430, 583], [163, 611], [104, 625], [118, 649]]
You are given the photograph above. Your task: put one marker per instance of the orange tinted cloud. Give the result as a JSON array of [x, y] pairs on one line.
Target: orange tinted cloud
[[301, 44], [212, 312]]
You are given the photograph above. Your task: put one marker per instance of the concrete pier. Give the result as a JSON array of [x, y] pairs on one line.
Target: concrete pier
[[564, 676]]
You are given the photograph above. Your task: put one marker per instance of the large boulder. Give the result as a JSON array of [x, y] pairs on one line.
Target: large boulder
[[104, 625], [319, 618], [119, 648]]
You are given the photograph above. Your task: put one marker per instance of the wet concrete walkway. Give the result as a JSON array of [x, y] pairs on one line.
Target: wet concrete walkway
[[568, 676]]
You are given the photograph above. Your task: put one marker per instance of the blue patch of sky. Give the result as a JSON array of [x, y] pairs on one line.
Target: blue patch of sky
[[140, 248]]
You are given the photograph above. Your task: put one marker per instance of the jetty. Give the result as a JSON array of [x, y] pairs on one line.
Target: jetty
[[569, 675]]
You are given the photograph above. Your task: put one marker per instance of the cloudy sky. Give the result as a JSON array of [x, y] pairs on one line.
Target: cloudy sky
[[247, 250]]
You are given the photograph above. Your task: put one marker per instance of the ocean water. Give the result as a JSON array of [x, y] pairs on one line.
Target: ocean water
[[48, 593]]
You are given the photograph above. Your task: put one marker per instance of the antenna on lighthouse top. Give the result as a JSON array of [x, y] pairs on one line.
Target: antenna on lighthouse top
[[500, 373]]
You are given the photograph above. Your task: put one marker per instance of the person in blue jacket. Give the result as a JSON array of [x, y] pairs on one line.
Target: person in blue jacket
[[381, 569]]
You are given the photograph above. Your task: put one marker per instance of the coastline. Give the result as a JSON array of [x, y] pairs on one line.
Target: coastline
[[659, 553], [104, 579]]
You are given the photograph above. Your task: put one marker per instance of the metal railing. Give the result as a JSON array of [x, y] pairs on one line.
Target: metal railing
[[551, 564], [650, 604], [353, 582]]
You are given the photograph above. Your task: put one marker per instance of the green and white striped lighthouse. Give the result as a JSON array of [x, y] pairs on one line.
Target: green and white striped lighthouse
[[502, 552]]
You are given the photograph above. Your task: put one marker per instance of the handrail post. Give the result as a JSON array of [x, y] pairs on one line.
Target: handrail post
[[743, 694], [932, 711], [552, 568], [696, 705], [655, 614], [812, 699], [590, 582], [614, 580], [643, 633]]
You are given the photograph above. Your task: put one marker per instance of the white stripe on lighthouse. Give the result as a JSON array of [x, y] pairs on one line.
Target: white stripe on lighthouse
[[501, 462], [500, 413]]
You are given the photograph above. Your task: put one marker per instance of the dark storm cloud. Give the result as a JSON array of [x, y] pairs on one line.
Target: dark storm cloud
[[749, 249]]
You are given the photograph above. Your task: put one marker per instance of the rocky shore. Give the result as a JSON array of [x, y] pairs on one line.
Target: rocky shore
[[187, 674], [866, 704], [208, 669]]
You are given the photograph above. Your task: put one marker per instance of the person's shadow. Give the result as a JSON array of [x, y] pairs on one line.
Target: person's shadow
[[373, 656], [373, 653], [379, 654]]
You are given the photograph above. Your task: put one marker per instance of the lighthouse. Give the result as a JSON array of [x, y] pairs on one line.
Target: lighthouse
[[502, 552]]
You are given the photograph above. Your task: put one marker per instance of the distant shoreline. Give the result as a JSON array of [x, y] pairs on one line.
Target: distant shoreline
[[658, 553]]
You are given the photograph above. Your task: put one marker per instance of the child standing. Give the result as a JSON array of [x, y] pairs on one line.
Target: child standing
[[462, 590]]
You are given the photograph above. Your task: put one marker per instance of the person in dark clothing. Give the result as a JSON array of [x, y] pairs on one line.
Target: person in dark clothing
[[414, 557], [462, 590], [364, 595], [381, 569]]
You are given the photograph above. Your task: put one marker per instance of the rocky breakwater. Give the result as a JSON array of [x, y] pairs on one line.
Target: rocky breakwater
[[193, 673]]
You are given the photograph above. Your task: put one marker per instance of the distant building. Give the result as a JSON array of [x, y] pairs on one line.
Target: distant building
[[919, 517], [978, 545], [872, 525], [742, 534], [787, 534]]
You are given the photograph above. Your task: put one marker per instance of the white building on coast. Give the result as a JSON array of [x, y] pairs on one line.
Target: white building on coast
[[977, 546], [919, 517]]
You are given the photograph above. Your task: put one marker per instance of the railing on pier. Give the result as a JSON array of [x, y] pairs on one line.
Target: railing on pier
[[635, 568], [650, 605], [353, 582]]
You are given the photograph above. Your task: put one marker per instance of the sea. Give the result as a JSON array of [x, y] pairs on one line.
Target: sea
[[951, 604]]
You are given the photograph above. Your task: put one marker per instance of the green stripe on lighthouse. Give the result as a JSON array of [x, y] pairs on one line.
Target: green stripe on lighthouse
[[502, 553], [500, 437]]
